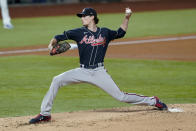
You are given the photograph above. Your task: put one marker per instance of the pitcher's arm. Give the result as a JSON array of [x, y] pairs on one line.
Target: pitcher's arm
[[125, 22]]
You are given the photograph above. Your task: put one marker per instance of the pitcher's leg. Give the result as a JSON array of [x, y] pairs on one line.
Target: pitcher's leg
[[57, 82], [105, 82], [5, 12]]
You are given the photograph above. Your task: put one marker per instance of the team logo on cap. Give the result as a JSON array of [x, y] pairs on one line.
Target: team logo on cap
[[83, 10]]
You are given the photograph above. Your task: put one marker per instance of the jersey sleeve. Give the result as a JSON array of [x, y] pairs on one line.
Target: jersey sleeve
[[67, 35], [116, 34]]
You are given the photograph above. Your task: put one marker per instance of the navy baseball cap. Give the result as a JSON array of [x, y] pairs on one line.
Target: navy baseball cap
[[88, 11]]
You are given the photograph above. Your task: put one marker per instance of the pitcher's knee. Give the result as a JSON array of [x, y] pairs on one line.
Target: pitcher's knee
[[57, 80]]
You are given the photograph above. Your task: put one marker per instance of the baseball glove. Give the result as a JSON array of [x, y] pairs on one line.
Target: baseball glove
[[60, 48]]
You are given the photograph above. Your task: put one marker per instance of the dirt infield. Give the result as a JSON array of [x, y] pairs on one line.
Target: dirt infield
[[181, 50], [135, 118]]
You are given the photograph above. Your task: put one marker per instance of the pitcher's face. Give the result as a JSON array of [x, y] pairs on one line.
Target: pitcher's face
[[86, 20]]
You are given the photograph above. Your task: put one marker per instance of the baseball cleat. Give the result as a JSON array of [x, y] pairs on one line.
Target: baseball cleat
[[160, 105], [8, 26], [40, 118]]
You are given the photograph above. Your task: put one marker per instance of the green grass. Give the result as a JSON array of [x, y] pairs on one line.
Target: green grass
[[24, 80], [36, 31]]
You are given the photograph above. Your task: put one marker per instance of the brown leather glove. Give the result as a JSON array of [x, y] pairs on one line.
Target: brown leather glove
[[60, 48]]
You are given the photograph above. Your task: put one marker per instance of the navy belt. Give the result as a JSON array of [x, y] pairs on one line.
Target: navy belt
[[91, 66]]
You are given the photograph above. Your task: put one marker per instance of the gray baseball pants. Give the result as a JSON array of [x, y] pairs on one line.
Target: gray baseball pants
[[98, 77]]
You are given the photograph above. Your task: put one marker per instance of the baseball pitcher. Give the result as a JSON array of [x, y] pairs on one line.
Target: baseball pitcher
[[92, 42]]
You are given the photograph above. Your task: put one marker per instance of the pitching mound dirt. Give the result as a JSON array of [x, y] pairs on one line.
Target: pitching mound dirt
[[135, 118]]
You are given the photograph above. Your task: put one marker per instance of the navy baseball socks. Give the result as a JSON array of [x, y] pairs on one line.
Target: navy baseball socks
[[40, 118], [160, 105]]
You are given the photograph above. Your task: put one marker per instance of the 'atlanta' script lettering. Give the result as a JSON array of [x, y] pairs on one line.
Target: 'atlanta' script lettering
[[94, 42]]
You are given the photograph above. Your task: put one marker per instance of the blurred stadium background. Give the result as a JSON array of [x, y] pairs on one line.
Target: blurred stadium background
[[37, 8], [61, 1]]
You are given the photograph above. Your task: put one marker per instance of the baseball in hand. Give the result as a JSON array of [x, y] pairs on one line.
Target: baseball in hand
[[128, 11]]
